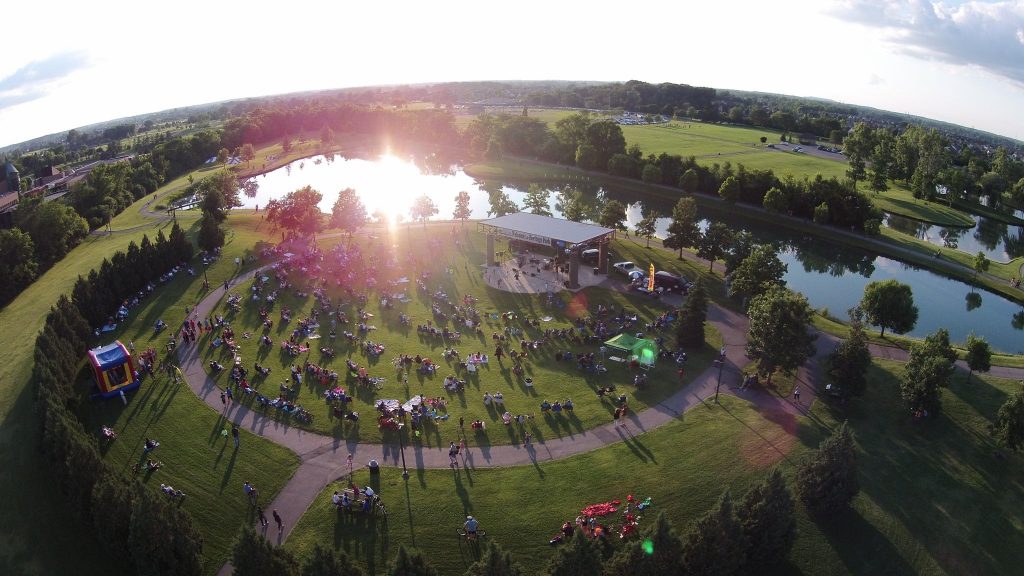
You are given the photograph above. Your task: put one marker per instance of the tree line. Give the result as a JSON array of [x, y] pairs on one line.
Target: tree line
[[142, 531], [44, 232]]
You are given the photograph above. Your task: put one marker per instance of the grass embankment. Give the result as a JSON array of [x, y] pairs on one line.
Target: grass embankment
[[906, 249], [433, 250], [31, 541], [933, 498]]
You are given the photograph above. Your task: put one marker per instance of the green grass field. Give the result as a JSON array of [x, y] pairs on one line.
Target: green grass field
[[933, 498], [553, 380]]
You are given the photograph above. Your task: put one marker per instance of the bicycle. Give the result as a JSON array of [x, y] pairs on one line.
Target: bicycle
[[470, 537]]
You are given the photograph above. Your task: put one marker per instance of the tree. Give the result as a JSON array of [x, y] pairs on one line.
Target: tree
[[612, 215], [927, 371], [410, 563], [714, 243], [767, 517], [211, 236], [821, 213], [778, 337], [692, 316], [162, 538], [222, 156], [858, 147], [323, 561], [297, 211], [607, 139], [881, 161], [979, 355], [18, 267], [655, 553], [981, 263], [326, 136], [1008, 428], [683, 231], [651, 174], [422, 209], [689, 181], [757, 272], [730, 190], [462, 210], [578, 557], [248, 152], [254, 555], [55, 229], [494, 562], [348, 212], [775, 201], [889, 304], [716, 544], [647, 226], [848, 364], [286, 144], [586, 157], [536, 200], [501, 204], [827, 482]]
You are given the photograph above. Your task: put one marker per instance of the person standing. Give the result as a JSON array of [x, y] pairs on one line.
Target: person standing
[[234, 433], [262, 516], [230, 395], [453, 452], [796, 394], [277, 518], [223, 399]]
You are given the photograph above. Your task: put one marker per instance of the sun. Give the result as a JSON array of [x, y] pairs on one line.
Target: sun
[[392, 194]]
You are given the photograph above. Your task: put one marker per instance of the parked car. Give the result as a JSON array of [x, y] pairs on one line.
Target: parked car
[[625, 267], [590, 256], [671, 282]]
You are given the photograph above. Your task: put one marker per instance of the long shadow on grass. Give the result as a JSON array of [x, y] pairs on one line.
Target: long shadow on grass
[[862, 548]]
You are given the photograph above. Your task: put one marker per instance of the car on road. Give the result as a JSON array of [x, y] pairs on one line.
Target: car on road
[[625, 267]]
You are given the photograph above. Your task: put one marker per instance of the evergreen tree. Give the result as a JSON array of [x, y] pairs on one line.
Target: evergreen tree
[[112, 503], [655, 553], [927, 372], [683, 231], [410, 563], [827, 483], [211, 236], [494, 562], [163, 540], [692, 316], [254, 555], [326, 562], [578, 557], [716, 545], [768, 519], [848, 364]]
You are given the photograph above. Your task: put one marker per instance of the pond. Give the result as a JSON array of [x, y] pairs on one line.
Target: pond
[[998, 241], [830, 276]]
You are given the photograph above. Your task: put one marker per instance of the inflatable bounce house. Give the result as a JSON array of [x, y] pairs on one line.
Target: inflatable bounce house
[[113, 369]]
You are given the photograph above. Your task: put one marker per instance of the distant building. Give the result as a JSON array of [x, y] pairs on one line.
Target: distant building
[[12, 178]]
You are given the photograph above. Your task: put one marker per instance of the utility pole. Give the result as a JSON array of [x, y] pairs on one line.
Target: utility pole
[[721, 364]]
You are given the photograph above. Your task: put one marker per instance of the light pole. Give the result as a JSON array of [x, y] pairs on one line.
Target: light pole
[[721, 364], [401, 446]]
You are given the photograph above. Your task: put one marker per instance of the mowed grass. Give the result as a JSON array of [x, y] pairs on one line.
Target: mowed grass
[[456, 271], [933, 498], [683, 467], [29, 542]]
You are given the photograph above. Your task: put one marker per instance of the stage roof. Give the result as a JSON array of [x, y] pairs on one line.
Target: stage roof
[[534, 227]]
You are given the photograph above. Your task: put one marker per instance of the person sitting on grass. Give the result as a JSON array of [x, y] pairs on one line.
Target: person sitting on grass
[[367, 504], [149, 445], [346, 502], [152, 465]]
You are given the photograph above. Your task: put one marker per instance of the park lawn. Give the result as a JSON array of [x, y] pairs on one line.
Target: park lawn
[[683, 466], [553, 380], [197, 458], [933, 499]]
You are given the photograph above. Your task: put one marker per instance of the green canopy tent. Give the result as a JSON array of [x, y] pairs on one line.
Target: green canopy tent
[[642, 350]]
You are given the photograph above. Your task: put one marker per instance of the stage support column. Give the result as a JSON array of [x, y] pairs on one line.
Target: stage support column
[[602, 258], [490, 250], [574, 269]]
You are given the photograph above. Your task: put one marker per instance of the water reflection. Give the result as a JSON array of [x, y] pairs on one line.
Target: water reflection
[[831, 276], [997, 240]]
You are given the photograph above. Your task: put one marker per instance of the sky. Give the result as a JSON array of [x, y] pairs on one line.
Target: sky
[[71, 63]]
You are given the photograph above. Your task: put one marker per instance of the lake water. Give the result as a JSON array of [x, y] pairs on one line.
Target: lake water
[[830, 276], [998, 241]]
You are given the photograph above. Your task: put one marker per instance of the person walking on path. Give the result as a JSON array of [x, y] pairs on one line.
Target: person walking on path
[[223, 399], [277, 518], [262, 516], [453, 453], [231, 397], [796, 394], [234, 433]]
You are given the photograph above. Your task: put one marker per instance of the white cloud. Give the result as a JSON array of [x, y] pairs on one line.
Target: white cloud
[[989, 36]]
